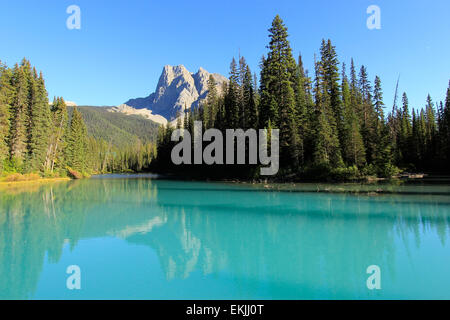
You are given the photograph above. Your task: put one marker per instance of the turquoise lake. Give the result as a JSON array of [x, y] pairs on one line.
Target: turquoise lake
[[144, 238]]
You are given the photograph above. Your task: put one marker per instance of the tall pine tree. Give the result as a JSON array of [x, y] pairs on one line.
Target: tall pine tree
[[76, 150], [40, 125], [6, 99]]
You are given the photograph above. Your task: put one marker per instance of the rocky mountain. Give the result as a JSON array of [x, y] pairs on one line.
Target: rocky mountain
[[125, 109], [177, 90]]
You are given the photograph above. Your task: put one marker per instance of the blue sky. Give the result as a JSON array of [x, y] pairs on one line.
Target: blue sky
[[122, 46]]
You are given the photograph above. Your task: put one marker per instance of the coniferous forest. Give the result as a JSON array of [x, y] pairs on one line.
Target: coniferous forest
[[333, 123], [43, 139]]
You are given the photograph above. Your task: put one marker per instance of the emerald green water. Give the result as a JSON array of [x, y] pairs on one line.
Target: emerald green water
[[158, 239]]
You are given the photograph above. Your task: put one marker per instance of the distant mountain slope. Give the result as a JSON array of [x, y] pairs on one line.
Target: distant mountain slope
[[118, 128], [146, 113], [177, 90]]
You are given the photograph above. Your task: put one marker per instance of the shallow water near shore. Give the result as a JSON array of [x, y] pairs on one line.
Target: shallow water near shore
[[137, 237]]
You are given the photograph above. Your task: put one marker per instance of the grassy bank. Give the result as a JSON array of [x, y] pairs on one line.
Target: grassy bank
[[19, 180]]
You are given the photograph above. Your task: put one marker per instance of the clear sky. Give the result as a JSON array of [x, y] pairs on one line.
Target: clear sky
[[122, 46]]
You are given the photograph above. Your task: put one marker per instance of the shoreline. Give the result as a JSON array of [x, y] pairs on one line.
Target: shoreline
[[412, 186], [365, 187], [10, 184]]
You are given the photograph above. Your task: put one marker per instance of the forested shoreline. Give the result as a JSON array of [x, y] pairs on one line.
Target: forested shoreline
[[333, 125], [39, 139]]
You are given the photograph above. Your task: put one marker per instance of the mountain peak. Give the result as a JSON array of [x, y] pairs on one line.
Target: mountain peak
[[169, 73], [177, 90]]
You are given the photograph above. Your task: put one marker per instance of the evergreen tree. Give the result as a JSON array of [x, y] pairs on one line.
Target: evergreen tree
[[40, 125], [278, 70], [250, 115], [326, 143], [211, 103], [404, 137], [330, 77], [367, 114], [445, 129], [231, 105], [179, 122], [379, 134], [419, 138], [289, 139], [353, 79], [353, 147], [19, 117], [430, 115], [303, 110], [278, 102], [242, 107], [76, 150], [430, 133], [6, 99], [58, 137], [378, 106], [186, 118]]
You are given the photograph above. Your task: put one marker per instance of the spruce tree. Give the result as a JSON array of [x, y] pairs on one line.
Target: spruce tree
[[378, 137], [40, 125], [289, 139], [278, 70], [211, 103], [186, 118], [76, 150], [19, 117], [378, 105], [231, 106], [430, 115], [278, 103], [404, 136], [445, 131], [419, 138], [303, 109], [368, 117], [6, 99], [326, 143], [330, 78], [250, 116], [430, 133], [179, 121], [353, 146], [242, 107]]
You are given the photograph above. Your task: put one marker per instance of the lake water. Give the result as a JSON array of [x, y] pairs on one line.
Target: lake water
[[141, 238]]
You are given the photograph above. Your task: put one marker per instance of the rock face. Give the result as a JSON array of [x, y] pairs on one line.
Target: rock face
[[177, 90], [71, 104], [123, 108], [68, 103]]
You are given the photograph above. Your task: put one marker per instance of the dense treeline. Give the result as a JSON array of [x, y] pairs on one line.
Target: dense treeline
[[332, 125], [38, 137]]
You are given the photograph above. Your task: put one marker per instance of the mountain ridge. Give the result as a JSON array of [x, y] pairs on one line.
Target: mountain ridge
[[177, 90]]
